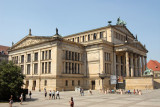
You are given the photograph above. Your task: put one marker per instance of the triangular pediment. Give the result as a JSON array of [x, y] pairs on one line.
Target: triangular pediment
[[138, 45], [29, 41], [124, 30]]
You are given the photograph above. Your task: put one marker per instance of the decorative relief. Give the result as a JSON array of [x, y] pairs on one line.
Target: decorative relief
[[29, 41]]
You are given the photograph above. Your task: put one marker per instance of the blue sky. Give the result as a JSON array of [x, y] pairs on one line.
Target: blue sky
[[73, 16]]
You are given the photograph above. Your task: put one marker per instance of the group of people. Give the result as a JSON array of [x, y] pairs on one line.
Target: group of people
[[52, 95]]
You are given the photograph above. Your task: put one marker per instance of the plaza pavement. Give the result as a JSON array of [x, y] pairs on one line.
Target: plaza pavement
[[149, 98]]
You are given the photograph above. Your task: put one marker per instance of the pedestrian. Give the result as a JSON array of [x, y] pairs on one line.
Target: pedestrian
[[50, 93], [71, 102], [90, 91], [21, 98], [45, 94], [82, 92], [30, 93], [11, 101], [137, 91], [57, 95], [134, 91], [53, 94]]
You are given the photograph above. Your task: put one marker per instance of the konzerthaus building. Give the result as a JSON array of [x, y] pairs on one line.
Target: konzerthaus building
[[86, 59]]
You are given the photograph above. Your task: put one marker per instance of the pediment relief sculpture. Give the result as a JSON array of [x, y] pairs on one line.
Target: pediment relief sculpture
[[29, 41]]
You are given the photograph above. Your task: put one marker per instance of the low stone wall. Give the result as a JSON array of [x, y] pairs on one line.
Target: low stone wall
[[140, 83]]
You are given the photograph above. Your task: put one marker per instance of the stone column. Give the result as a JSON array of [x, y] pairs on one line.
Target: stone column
[[127, 64], [139, 66], [114, 63], [31, 64], [136, 70], [119, 65], [142, 62], [145, 58], [132, 66]]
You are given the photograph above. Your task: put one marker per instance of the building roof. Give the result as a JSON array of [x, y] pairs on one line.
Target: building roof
[[154, 65], [3, 50]]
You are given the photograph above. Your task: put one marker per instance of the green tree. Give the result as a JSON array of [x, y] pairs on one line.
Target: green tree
[[11, 80]]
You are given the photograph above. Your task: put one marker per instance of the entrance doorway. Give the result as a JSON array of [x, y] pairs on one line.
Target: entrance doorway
[[93, 84], [34, 85]]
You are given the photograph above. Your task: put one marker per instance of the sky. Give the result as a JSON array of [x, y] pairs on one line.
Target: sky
[[73, 16]]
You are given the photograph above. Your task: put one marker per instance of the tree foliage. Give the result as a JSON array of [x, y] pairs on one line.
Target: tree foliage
[[11, 80]]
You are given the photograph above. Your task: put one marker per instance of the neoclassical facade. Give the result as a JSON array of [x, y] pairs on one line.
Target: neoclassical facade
[[86, 59]]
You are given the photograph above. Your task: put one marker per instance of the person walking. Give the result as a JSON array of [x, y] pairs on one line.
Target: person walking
[[53, 94], [50, 93], [11, 101], [71, 102], [21, 98], [30, 93], [45, 94], [57, 95]]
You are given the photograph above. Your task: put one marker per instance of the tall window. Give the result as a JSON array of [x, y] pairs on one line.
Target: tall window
[[28, 68], [36, 68], [22, 58], [72, 55], [49, 54], [107, 68], [22, 69], [73, 39], [66, 55], [107, 56], [45, 82], [101, 34], [66, 83], [29, 58], [83, 38], [89, 37], [78, 82], [94, 36], [46, 54], [78, 56], [69, 55], [66, 67], [78, 69], [75, 68], [72, 68], [72, 82], [75, 56], [69, 67], [45, 67], [42, 55], [49, 67], [42, 67], [36, 56]]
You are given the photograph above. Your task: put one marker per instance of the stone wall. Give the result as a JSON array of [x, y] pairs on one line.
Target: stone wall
[[139, 83]]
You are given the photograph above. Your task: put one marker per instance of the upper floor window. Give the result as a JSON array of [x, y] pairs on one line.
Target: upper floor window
[[29, 58], [94, 36], [22, 69], [83, 38], [49, 67], [36, 56], [107, 56], [28, 68], [22, 58], [49, 54], [36, 68], [101, 34], [89, 37], [42, 55], [46, 54]]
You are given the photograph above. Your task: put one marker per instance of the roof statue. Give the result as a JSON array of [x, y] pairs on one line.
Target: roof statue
[[30, 32], [12, 43], [136, 37], [57, 35], [121, 22], [109, 23], [56, 31]]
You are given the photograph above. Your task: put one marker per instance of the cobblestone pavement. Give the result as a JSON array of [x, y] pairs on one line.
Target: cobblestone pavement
[[149, 98]]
